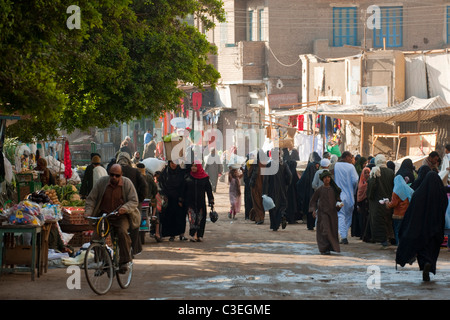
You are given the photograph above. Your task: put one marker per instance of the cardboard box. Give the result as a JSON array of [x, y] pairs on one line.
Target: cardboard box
[[18, 255]]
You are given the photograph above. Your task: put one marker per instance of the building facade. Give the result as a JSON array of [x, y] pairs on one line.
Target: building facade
[[261, 44]]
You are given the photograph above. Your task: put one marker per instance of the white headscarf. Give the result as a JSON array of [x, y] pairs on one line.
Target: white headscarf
[[380, 162], [324, 163]]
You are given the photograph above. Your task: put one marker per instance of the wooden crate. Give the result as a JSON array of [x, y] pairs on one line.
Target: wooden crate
[[81, 237], [24, 177], [23, 190], [73, 215]]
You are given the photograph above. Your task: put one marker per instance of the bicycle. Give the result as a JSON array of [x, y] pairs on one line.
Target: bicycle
[[101, 263]]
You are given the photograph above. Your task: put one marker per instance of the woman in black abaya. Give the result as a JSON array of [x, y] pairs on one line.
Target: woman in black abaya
[[423, 170], [276, 187], [305, 190], [173, 217], [422, 230], [406, 170], [197, 187], [292, 211]]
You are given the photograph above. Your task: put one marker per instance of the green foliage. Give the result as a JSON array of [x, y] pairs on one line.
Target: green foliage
[[125, 62]]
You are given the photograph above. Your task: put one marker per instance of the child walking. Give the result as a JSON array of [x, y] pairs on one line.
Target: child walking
[[401, 196], [325, 205], [234, 176]]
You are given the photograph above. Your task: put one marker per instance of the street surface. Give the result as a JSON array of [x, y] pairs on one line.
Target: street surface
[[239, 260]]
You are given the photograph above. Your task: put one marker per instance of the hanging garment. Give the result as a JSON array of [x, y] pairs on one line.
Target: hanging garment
[[300, 120]]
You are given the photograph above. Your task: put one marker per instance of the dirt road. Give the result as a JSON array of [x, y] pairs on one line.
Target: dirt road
[[239, 260]]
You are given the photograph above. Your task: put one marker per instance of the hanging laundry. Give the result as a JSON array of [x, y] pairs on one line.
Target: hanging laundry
[[300, 120], [67, 161], [182, 106], [197, 102], [337, 125]]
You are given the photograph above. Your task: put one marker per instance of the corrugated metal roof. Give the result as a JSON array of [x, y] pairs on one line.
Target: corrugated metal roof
[[412, 109]]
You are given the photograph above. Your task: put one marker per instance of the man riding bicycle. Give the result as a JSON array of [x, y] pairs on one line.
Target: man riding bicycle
[[108, 194]]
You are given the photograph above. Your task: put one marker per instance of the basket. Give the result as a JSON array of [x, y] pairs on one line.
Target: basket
[[286, 143], [73, 215], [81, 237], [24, 177], [169, 146]]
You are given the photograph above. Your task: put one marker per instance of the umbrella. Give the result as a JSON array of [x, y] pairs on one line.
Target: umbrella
[[180, 122]]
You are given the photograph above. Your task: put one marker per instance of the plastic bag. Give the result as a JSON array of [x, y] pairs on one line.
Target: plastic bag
[[268, 203], [213, 216], [154, 164], [51, 212]]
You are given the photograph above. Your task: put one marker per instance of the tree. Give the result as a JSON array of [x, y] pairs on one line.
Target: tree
[[125, 61]]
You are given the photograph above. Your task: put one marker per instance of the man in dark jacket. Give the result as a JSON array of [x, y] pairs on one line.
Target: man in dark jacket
[[87, 182], [141, 187], [110, 193]]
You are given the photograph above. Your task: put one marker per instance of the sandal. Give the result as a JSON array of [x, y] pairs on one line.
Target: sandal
[[183, 238], [158, 238], [172, 239]]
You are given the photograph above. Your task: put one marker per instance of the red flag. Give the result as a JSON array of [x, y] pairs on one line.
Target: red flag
[[67, 161]]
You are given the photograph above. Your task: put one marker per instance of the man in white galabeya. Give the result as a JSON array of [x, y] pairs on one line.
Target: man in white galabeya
[[346, 178]]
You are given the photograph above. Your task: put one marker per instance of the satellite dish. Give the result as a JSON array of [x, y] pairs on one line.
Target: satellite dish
[[180, 123]]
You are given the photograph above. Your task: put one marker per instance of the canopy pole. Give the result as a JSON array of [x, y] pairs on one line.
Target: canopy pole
[[418, 120], [314, 127], [371, 153], [361, 139], [398, 143]]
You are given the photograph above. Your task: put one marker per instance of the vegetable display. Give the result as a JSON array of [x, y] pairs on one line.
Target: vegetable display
[[65, 195]]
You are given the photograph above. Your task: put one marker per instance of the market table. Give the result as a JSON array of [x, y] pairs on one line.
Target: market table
[[46, 228], [20, 254]]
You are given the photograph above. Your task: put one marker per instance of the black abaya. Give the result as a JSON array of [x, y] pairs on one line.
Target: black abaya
[[423, 170], [305, 192], [407, 170], [275, 186], [173, 217], [292, 211], [422, 229], [195, 192]]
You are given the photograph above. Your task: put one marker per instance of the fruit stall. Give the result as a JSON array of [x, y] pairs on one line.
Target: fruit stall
[[51, 207]]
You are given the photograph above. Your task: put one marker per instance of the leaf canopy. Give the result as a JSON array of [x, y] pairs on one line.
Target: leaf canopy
[[125, 61]]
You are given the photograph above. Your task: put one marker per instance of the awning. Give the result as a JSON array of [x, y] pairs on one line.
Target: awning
[[10, 119], [412, 109]]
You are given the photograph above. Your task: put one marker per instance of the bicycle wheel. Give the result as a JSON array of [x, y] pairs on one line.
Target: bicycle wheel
[[124, 278], [98, 268]]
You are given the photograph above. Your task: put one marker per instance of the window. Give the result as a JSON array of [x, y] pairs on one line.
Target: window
[[260, 25], [391, 28], [344, 26], [250, 25], [448, 24]]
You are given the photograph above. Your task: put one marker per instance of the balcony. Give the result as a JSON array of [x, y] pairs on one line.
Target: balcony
[[242, 63], [321, 48]]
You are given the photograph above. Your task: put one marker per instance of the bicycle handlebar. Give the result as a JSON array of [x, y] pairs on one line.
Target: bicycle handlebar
[[105, 215]]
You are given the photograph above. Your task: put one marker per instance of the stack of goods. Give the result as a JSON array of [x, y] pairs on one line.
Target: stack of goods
[[74, 222], [66, 195], [73, 215], [170, 141], [24, 213]]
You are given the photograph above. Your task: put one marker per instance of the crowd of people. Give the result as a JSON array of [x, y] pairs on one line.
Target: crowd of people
[[339, 198], [176, 193], [353, 196], [367, 198]]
